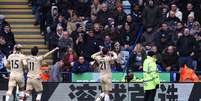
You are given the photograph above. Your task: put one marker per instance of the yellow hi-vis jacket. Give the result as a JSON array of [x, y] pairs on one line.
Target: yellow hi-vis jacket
[[150, 74]]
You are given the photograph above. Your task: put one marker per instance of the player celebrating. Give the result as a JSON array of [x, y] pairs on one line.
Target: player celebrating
[[104, 59], [16, 62], [34, 64]]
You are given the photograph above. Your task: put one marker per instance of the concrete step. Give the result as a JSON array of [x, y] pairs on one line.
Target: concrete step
[[13, 3], [28, 36], [20, 26], [30, 40], [27, 33], [11, 13], [15, 6], [19, 16], [26, 30], [42, 46], [15, 10], [21, 20]]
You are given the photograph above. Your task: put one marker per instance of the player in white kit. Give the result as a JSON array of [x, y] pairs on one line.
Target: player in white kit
[[34, 64], [16, 62], [104, 60]]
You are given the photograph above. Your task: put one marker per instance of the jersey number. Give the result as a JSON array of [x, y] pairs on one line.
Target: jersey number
[[15, 64], [31, 66], [102, 65]]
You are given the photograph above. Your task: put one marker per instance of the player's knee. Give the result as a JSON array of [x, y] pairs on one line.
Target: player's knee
[[9, 93]]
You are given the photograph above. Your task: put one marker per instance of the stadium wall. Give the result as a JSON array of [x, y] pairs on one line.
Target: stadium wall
[[121, 92]]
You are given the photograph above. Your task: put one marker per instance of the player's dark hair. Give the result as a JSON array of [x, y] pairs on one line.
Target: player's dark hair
[[104, 51], [34, 50], [18, 49]]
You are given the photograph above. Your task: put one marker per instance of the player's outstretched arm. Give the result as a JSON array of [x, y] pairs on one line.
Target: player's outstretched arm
[[95, 55], [50, 52]]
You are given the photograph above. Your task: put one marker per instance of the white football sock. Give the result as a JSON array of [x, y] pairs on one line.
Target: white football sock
[[107, 98], [38, 98], [7, 98]]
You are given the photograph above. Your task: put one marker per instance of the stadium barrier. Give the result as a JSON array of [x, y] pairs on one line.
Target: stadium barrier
[[121, 91]]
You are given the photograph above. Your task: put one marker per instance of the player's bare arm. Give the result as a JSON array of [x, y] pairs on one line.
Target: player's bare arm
[[7, 65], [95, 55], [113, 56], [50, 52]]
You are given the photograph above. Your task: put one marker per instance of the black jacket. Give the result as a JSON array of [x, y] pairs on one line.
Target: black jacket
[[186, 45]]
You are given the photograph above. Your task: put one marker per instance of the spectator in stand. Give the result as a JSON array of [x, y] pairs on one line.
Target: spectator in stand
[[79, 45], [148, 36], [111, 4], [60, 21], [91, 22], [70, 57], [108, 42], [119, 16], [64, 43], [111, 30], [164, 13], [126, 34], [53, 41], [81, 66], [91, 45], [130, 22], [98, 32], [64, 7], [158, 57], [172, 20], [189, 10], [3, 70], [137, 58], [170, 59], [56, 71], [95, 7], [55, 36], [195, 28], [79, 32], [54, 13], [118, 62], [5, 47], [73, 22], [83, 8], [177, 32], [3, 22], [163, 37], [198, 51], [151, 15], [186, 48], [190, 21], [176, 10], [103, 14], [9, 36]]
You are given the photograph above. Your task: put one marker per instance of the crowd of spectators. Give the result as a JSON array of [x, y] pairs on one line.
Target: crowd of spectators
[[171, 28]]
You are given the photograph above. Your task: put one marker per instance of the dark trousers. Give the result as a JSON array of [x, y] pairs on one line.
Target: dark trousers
[[185, 60], [150, 95]]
